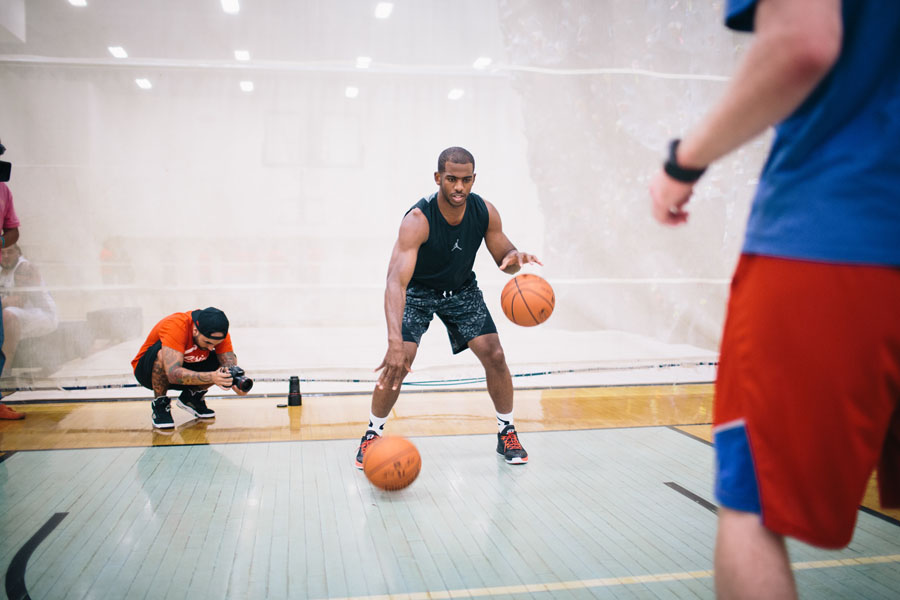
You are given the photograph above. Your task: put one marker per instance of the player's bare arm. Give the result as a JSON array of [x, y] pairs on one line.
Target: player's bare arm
[[505, 254], [796, 44], [413, 233], [173, 365]]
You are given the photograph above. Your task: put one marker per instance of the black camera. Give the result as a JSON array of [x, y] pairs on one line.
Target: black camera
[[5, 167], [239, 380]]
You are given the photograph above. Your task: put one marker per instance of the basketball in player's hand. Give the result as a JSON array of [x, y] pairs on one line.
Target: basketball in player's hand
[[527, 300], [392, 463]]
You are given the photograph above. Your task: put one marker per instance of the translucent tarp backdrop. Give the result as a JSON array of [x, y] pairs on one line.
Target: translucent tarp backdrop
[[280, 205]]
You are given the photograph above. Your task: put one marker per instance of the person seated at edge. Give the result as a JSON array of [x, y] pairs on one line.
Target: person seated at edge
[[196, 338], [430, 273], [26, 314]]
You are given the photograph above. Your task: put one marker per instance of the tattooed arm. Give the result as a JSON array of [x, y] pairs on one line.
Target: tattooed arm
[[227, 359], [176, 373]]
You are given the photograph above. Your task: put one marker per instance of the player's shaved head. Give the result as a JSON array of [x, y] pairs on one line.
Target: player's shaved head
[[457, 155]]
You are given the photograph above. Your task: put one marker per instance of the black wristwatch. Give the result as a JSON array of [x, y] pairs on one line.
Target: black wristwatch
[[676, 171]]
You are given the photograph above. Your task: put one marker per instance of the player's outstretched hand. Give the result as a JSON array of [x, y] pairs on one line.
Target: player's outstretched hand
[[222, 378], [519, 259], [669, 198], [393, 369]]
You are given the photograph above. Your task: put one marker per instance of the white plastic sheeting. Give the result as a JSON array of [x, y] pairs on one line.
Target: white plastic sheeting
[[281, 205]]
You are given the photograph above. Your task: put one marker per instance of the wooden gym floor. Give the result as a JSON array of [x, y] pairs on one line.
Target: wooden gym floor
[[264, 501]]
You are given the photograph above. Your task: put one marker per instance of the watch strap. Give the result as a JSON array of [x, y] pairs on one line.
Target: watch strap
[[676, 171]]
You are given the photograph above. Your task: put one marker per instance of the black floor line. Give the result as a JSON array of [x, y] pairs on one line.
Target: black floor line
[[15, 574], [691, 495], [879, 515], [869, 511], [6, 454], [690, 435]]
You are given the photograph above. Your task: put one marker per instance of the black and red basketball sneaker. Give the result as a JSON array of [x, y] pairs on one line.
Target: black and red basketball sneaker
[[509, 447], [364, 444]]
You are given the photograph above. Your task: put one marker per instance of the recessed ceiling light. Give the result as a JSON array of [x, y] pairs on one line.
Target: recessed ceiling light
[[455, 94], [78, 2], [241, 55], [351, 91], [118, 51], [247, 86], [363, 62], [144, 84], [481, 62], [383, 10], [232, 7]]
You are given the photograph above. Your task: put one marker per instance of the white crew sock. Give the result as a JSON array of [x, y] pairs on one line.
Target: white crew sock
[[376, 424], [503, 420]]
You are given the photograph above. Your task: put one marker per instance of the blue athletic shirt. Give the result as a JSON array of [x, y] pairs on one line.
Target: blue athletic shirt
[[830, 188]]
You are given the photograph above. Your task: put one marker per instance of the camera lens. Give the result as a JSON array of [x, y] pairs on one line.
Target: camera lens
[[243, 383]]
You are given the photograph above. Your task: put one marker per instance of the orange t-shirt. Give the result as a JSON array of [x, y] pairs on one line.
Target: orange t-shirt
[[177, 332]]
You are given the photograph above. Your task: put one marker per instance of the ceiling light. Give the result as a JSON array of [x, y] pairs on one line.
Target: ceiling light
[[144, 84], [363, 62], [351, 92], [383, 10], [241, 55], [247, 86], [481, 62], [232, 7], [455, 94], [78, 2], [118, 51]]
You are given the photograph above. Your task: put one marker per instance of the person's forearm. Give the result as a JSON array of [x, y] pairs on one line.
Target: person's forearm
[[394, 305], [796, 45], [227, 359], [184, 376], [10, 237], [513, 267]]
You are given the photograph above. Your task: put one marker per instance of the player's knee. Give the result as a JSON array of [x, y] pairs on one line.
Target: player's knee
[[495, 356]]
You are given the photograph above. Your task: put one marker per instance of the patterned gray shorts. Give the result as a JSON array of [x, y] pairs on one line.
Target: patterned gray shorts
[[463, 312]]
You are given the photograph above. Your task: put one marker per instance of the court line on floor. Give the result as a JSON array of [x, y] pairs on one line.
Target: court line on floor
[[869, 511], [609, 581], [692, 496], [880, 515], [291, 440], [15, 573]]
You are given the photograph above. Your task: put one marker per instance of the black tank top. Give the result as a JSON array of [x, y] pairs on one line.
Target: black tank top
[[446, 258]]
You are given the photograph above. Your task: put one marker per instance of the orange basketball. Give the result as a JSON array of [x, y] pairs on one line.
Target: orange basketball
[[392, 463], [527, 300]]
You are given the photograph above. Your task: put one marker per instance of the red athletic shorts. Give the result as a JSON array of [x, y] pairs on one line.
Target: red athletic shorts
[[808, 395]]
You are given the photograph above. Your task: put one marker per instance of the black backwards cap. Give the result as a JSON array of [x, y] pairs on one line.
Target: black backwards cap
[[211, 320]]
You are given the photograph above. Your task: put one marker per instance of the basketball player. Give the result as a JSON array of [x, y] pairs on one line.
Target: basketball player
[[809, 377], [430, 273], [196, 338]]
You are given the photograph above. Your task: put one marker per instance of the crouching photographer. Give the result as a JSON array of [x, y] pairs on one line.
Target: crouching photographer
[[191, 352]]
